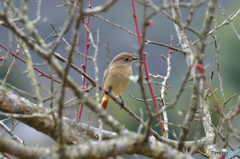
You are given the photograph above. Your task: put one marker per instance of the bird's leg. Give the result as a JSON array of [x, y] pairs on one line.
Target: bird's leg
[[122, 105], [109, 89]]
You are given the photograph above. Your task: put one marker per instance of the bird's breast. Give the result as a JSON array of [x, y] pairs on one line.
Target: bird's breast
[[118, 78]]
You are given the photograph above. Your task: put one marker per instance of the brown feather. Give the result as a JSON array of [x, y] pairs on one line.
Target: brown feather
[[105, 101]]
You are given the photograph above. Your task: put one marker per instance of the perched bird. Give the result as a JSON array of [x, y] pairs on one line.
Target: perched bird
[[116, 76]]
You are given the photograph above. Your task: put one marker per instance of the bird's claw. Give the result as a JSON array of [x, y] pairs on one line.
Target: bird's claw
[[122, 104]]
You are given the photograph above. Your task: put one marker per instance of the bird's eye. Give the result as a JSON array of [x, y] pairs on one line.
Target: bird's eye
[[126, 59]]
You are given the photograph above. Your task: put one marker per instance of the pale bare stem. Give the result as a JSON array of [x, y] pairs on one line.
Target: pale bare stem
[[31, 73], [99, 9], [181, 33], [140, 125], [24, 7], [94, 59], [114, 24], [100, 130], [231, 115], [49, 36], [52, 100], [212, 71], [205, 114], [132, 33], [213, 92], [190, 17], [22, 115], [59, 57], [67, 43], [226, 101], [200, 49], [74, 43], [38, 16], [141, 100], [171, 5], [70, 100], [76, 113], [52, 95], [234, 14], [96, 76], [225, 139], [90, 122], [174, 102], [63, 5], [19, 90], [210, 134], [9, 9], [67, 4], [10, 132], [170, 123], [222, 120], [90, 131], [14, 124], [163, 91], [66, 26], [225, 22], [14, 59], [167, 46], [156, 76], [190, 114], [234, 132], [156, 83], [165, 5], [29, 24], [206, 119], [164, 2], [96, 66], [217, 62]]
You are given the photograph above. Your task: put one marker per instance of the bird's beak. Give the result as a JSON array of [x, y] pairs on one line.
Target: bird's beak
[[135, 58]]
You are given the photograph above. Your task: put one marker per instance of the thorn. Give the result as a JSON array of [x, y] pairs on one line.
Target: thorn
[[164, 57]]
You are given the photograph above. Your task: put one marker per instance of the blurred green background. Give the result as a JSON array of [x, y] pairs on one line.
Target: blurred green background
[[121, 41]]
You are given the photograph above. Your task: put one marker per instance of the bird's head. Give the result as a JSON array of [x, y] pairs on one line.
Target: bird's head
[[123, 59]]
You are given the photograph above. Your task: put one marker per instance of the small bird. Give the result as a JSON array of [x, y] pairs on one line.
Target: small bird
[[116, 76]]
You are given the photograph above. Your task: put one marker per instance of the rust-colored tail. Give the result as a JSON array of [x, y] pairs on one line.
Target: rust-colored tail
[[105, 101]]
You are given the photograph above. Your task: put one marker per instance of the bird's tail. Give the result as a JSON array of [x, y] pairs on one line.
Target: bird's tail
[[105, 101]]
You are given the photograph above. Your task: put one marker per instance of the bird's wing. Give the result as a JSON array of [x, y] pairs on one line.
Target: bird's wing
[[105, 74]]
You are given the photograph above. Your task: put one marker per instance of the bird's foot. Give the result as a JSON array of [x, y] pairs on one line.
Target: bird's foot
[[122, 104], [109, 89]]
